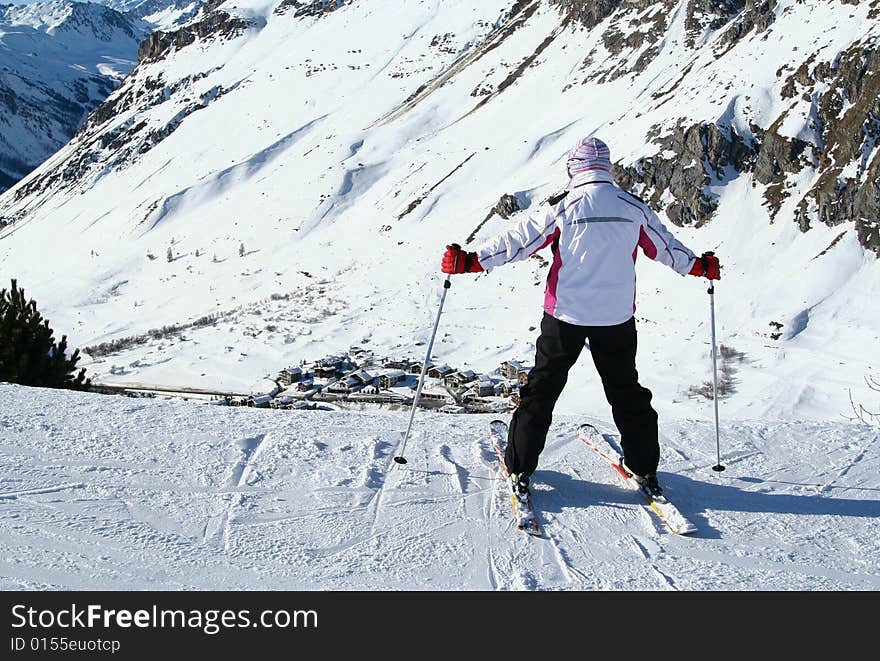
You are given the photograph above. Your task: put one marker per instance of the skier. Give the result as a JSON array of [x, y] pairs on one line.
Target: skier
[[594, 230]]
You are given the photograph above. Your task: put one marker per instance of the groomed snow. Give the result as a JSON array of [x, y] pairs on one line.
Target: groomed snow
[[104, 492]]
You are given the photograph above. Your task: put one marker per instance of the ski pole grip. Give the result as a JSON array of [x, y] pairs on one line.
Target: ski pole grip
[[711, 289], [457, 248]]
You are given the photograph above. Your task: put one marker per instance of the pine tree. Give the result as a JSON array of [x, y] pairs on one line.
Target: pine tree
[[29, 354], [241, 250], [170, 255]]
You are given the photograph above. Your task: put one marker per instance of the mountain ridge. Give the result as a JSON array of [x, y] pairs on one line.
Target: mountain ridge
[[353, 159], [60, 60]]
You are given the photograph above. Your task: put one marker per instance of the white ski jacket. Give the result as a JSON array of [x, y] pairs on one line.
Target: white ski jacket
[[595, 230]]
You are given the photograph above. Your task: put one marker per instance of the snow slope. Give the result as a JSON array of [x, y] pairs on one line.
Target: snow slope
[[103, 492], [160, 14], [58, 61], [345, 148]]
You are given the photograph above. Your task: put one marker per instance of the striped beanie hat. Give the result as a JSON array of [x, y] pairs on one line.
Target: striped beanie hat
[[587, 155]]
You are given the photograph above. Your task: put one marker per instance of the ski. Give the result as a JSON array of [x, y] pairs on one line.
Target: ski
[[660, 506], [523, 513]]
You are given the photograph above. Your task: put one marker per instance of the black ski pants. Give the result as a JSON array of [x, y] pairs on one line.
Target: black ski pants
[[614, 354]]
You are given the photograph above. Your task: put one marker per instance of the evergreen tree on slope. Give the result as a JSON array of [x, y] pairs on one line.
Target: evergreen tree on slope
[[29, 354]]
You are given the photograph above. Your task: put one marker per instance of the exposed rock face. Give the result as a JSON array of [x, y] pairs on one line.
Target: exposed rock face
[[705, 154], [705, 15], [776, 158], [757, 15], [848, 187], [589, 12], [313, 8], [844, 97], [52, 72], [117, 147], [507, 205], [630, 30], [212, 24]]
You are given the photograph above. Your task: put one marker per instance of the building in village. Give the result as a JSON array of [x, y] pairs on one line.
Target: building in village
[[482, 387], [433, 399], [260, 401], [345, 376], [395, 364], [306, 384], [503, 388], [353, 382], [343, 386], [359, 353], [391, 377], [329, 367], [440, 371], [515, 371], [460, 379], [290, 375]]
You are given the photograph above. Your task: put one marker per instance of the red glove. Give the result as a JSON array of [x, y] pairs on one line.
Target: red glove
[[456, 260], [707, 266]]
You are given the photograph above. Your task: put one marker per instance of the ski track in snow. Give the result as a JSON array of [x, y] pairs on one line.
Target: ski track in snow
[[30, 492], [166, 494], [217, 529], [849, 466]]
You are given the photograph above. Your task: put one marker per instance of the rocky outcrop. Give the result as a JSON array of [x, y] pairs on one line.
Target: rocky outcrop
[[117, 147], [845, 106], [704, 155], [507, 206], [589, 12], [210, 24], [776, 158], [53, 71], [313, 8], [708, 15], [756, 15], [847, 102], [631, 27]]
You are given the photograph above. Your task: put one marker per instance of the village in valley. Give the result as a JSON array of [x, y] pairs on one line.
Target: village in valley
[[360, 378]]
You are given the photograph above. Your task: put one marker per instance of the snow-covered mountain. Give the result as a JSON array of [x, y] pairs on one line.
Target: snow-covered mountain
[[159, 14], [66, 57], [343, 144], [58, 61]]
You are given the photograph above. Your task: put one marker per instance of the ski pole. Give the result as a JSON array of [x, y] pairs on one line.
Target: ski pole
[[400, 459], [717, 467]]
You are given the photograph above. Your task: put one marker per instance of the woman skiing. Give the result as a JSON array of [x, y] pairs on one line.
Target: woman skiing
[[594, 230]]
